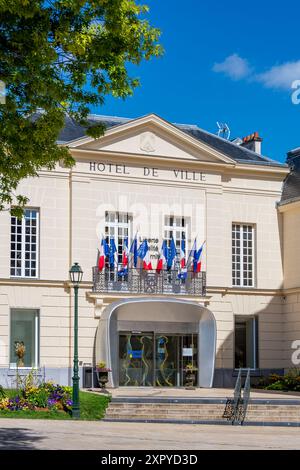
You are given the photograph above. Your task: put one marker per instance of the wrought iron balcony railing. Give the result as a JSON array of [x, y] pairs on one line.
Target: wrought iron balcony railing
[[138, 281]]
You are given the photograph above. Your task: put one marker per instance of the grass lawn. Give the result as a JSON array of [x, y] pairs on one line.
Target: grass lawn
[[92, 407]]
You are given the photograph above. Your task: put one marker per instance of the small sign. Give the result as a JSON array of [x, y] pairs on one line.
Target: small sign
[[135, 354], [187, 352]]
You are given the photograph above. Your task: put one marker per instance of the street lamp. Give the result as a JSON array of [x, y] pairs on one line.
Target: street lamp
[[76, 277]]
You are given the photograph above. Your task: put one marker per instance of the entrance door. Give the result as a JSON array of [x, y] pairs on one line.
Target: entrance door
[[188, 356], [136, 359], [147, 359], [166, 361]]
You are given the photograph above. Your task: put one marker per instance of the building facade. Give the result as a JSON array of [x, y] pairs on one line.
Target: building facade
[[157, 181]]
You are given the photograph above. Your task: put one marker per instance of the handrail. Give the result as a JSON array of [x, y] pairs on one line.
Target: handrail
[[237, 398], [138, 281], [246, 397], [236, 407], [231, 412]]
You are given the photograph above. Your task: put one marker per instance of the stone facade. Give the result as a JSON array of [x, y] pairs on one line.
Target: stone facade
[[151, 169]]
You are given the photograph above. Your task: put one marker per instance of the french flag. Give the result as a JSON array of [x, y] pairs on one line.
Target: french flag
[[104, 252], [125, 256], [163, 257], [182, 254], [182, 274], [197, 259], [144, 254]]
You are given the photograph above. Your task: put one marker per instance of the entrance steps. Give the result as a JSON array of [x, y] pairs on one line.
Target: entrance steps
[[274, 412]]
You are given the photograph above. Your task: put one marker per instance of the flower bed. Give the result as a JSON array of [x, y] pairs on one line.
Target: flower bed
[[46, 396]]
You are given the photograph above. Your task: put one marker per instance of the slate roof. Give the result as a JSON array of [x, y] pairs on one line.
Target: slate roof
[[291, 184], [236, 152]]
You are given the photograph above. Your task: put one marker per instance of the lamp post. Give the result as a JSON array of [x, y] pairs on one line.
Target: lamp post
[[76, 277]]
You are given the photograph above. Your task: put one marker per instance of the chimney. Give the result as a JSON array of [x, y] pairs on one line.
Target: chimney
[[252, 142]]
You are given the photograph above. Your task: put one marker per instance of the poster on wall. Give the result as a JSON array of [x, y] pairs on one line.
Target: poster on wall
[[187, 352]]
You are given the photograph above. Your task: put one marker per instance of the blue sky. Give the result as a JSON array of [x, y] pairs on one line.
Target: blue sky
[[224, 61]]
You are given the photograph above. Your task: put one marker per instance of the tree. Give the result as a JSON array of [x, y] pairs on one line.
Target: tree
[[61, 56]]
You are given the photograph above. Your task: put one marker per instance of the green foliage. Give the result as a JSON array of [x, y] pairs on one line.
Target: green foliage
[[37, 397], [288, 382], [2, 392], [61, 56]]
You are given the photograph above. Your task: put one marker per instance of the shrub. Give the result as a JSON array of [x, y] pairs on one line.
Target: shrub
[[287, 382], [37, 397]]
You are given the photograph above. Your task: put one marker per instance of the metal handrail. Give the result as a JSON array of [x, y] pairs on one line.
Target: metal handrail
[[246, 398], [236, 407], [231, 412], [237, 398], [138, 281]]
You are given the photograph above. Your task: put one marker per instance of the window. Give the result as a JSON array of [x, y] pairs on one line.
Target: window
[[24, 244], [118, 225], [243, 255], [246, 342], [176, 228], [24, 328]]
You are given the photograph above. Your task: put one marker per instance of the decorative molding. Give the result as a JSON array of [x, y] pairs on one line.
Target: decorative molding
[[147, 142], [41, 283], [243, 291], [102, 300], [112, 297]]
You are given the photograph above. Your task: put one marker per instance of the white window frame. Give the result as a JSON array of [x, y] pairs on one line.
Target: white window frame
[[23, 246], [36, 364], [177, 228], [116, 224], [239, 265]]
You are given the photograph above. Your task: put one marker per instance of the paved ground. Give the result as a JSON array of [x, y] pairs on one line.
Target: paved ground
[[54, 435], [197, 392]]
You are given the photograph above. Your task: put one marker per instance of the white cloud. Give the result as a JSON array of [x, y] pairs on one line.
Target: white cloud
[[280, 76], [234, 67], [276, 77]]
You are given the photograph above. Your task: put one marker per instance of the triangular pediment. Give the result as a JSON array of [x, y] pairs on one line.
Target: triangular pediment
[[153, 136]]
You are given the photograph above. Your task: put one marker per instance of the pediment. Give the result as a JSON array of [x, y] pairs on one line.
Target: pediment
[[152, 136]]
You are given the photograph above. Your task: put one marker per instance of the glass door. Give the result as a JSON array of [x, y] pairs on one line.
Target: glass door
[[188, 356], [166, 360], [136, 359]]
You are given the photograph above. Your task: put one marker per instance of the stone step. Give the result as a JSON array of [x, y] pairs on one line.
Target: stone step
[[166, 416], [182, 411], [162, 412], [165, 406]]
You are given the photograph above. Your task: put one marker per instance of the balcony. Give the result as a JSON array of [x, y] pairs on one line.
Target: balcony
[[148, 282]]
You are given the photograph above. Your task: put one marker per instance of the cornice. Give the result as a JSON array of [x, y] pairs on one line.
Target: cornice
[[41, 283], [65, 284], [243, 291], [289, 206], [140, 158], [230, 167]]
